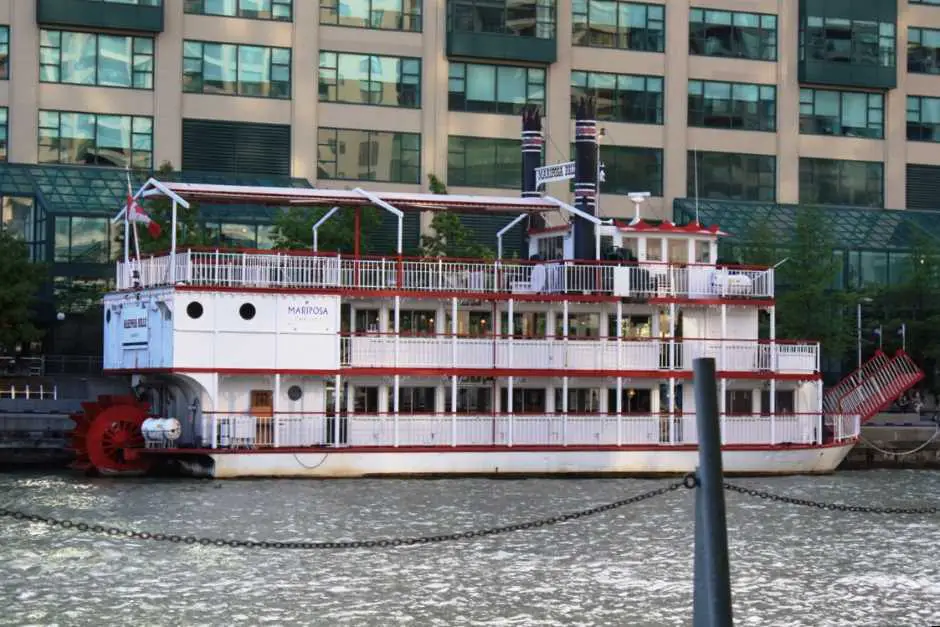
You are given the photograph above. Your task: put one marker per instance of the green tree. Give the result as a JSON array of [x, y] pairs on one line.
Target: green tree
[[293, 228], [449, 236], [19, 286], [808, 306], [190, 230]]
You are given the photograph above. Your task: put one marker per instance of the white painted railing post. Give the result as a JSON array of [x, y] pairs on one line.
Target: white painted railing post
[[215, 431], [275, 438], [773, 429]]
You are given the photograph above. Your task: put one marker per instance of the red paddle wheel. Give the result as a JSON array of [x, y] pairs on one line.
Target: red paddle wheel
[[104, 430]]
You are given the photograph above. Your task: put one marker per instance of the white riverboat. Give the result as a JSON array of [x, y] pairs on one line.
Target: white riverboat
[[303, 364]]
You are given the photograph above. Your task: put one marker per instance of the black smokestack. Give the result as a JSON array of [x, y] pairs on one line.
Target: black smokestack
[[532, 142], [585, 177]]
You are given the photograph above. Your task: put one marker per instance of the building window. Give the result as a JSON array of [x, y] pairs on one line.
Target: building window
[[140, 3], [95, 139], [732, 176], [4, 113], [521, 18], [369, 156], [236, 70], [933, 2], [4, 52], [845, 113], [632, 169], [370, 79], [278, 10], [733, 34], [838, 40], [923, 51], [741, 106], [377, 14], [95, 59], [834, 182], [624, 25], [484, 162], [923, 119], [494, 88], [620, 97], [81, 239]]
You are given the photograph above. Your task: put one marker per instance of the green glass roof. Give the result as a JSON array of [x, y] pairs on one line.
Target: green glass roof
[[93, 190], [852, 227]]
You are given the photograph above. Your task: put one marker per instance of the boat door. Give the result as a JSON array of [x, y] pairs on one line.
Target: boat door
[[262, 408]]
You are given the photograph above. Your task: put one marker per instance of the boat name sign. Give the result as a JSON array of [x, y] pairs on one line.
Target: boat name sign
[[134, 326]]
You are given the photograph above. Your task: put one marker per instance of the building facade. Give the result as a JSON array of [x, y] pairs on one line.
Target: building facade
[[821, 102]]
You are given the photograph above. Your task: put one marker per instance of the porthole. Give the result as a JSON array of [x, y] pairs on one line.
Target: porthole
[[294, 392], [194, 310], [247, 311]]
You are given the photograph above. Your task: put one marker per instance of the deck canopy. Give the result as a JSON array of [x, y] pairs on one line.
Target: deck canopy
[[292, 196]]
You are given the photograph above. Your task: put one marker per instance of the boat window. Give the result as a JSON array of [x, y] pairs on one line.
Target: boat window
[[579, 325], [786, 403], [551, 248], [295, 393], [480, 323], [524, 400], [702, 251], [654, 249], [247, 311], [632, 326], [366, 400], [678, 250], [416, 322], [739, 402], [471, 400], [631, 246], [415, 400], [194, 310], [526, 324], [633, 401], [580, 400], [367, 320]]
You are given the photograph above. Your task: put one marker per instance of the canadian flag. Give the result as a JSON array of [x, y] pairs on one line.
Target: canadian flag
[[136, 213]]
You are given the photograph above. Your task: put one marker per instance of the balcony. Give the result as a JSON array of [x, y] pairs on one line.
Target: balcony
[[522, 31], [300, 270], [144, 16], [224, 431], [607, 356]]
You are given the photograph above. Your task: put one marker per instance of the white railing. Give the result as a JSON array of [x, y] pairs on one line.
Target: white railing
[[303, 270], [609, 354], [227, 431], [30, 392]]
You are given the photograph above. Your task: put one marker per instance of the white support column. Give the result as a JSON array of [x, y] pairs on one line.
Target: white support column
[[564, 408], [723, 361], [672, 339], [352, 319], [672, 410], [396, 400], [510, 332], [396, 328], [773, 411], [619, 335], [173, 223], [619, 396], [453, 333], [773, 338], [819, 414], [564, 332], [275, 408], [510, 383], [453, 410], [337, 407], [722, 407]]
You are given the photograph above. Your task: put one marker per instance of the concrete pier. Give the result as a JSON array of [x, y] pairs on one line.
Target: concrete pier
[[900, 434]]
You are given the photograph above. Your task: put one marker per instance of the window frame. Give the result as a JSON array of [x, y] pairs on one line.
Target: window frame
[[698, 111], [4, 52], [327, 70], [856, 56], [694, 166], [198, 7], [919, 61], [842, 94], [188, 76], [698, 39], [835, 176], [135, 135], [620, 97], [399, 153], [139, 54], [621, 38], [413, 17], [466, 143], [915, 108], [543, 27], [531, 85]]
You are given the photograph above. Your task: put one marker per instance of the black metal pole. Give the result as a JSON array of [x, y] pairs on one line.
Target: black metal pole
[[712, 573]]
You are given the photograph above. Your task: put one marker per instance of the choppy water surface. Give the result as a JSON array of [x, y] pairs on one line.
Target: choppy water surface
[[790, 565]]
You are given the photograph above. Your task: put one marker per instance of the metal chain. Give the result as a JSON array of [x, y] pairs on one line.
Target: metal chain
[[115, 532], [830, 506]]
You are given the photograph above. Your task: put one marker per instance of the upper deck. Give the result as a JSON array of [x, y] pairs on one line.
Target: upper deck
[[299, 270]]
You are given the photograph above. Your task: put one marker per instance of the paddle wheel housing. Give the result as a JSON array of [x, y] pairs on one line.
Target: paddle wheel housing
[[104, 430]]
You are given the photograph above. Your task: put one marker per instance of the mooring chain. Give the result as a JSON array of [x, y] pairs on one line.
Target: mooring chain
[[840, 507], [116, 532]]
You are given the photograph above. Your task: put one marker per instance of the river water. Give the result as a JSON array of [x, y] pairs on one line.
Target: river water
[[630, 567]]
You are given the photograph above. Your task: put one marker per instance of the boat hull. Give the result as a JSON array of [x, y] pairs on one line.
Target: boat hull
[[443, 462]]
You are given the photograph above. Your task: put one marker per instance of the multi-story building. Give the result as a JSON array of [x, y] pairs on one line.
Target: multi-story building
[[751, 108]]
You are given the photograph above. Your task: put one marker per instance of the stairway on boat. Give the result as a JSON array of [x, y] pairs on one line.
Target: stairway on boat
[[873, 387]]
